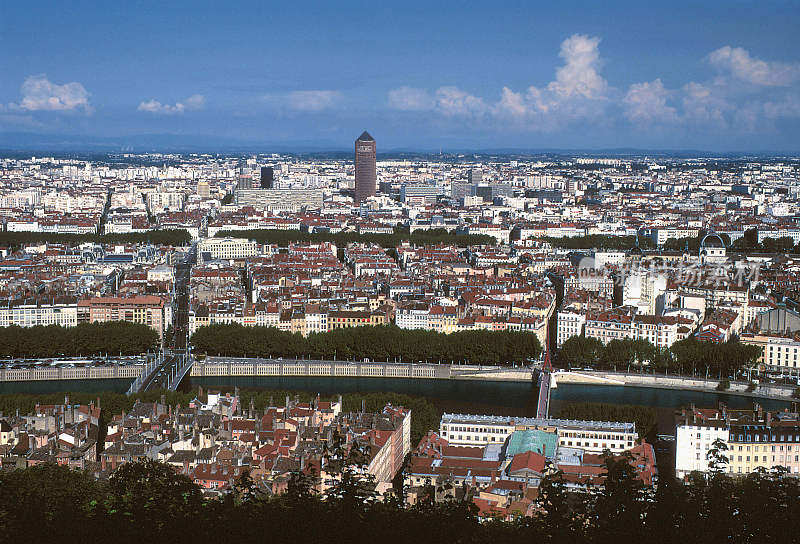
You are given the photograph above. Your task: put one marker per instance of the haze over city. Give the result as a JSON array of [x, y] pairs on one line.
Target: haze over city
[[714, 76]]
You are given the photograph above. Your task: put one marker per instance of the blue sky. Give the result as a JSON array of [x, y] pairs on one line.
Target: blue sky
[[419, 75]]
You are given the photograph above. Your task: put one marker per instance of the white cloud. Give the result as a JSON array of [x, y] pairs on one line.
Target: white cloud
[[453, 101], [578, 93], [512, 103], [194, 102], [647, 103], [788, 107], [579, 75], [703, 104], [410, 99], [41, 94], [448, 100], [312, 100], [741, 65]]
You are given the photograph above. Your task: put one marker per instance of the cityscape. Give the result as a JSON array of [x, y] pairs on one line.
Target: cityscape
[[571, 315]]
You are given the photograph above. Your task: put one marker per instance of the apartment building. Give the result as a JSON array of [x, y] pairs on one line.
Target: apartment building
[[661, 331], [661, 235], [146, 309], [778, 353], [570, 323], [752, 439], [695, 435], [63, 312], [764, 441], [341, 319]]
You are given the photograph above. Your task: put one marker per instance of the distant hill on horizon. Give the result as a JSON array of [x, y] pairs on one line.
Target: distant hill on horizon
[[193, 143]]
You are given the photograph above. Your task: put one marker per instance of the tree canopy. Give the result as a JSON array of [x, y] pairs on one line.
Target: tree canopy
[[687, 356], [384, 343], [176, 237], [112, 337], [400, 234]]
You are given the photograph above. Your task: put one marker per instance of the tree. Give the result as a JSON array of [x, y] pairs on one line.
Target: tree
[[375, 343], [557, 506], [148, 496], [353, 486], [46, 500], [245, 489], [579, 351], [620, 504], [717, 459]]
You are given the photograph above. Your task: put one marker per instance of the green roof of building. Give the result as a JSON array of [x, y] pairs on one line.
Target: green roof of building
[[540, 442]]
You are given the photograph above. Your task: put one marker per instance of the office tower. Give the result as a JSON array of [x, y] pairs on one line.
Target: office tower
[[485, 192], [203, 190], [365, 167], [420, 195], [475, 175], [267, 177], [460, 190]]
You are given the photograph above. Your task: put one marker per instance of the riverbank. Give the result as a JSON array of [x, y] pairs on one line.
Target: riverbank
[[769, 391]]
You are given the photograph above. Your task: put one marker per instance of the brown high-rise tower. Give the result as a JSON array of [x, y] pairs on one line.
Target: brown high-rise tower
[[365, 167]]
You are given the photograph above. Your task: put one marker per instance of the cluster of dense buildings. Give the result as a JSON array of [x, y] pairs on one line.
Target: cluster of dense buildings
[[65, 434], [500, 461], [530, 208], [55, 284], [308, 288], [497, 461], [213, 440]]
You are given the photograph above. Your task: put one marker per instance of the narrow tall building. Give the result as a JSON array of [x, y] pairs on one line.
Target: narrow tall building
[[365, 167], [267, 177]]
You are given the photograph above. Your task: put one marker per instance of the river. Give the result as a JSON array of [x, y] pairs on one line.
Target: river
[[501, 398]]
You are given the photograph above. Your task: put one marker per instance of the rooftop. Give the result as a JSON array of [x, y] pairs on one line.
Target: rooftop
[[531, 421]]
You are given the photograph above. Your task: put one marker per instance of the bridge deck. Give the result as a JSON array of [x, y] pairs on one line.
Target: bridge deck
[[543, 403]]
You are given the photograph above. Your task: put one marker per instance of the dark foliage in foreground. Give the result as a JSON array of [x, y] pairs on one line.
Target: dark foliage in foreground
[[148, 502], [385, 343]]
